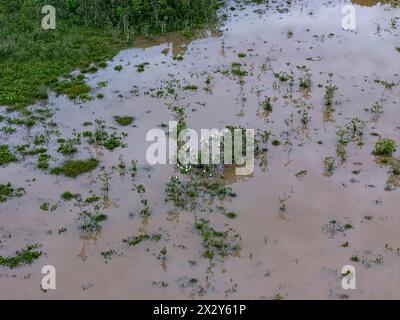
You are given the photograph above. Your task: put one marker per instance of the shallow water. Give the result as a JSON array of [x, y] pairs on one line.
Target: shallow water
[[286, 250]]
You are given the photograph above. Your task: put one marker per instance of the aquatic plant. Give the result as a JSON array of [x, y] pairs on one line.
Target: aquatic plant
[[5, 155], [74, 168], [22, 257], [124, 120], [135, 240], [385, 147]]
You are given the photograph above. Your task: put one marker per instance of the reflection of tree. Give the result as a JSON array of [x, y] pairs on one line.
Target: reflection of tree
[[177, 41]]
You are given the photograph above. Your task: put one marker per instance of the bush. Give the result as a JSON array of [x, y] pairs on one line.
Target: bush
[[74, 168], [385, 147]]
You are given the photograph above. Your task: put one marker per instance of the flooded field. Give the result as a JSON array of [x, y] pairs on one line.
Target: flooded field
[[323, 193]]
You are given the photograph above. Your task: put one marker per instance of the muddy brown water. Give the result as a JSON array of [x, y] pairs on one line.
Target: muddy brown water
[[285, 252]]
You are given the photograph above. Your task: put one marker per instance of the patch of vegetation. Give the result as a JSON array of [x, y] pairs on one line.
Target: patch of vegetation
[[267, 105], [74, 87], [190, 87], [237, 71], [301, 173], [305, 83], [220, 243], [45, 206], [5, 155], [22, 257], [102, 138], [43, 161], [334, 227], [329, 95], [124, 120], [107, 255], [8, 130], [329, 166], [395, 166], [7, 191], [91, 222], [140, 67], [283, 76], [69, 196], [186, 194], [74, 168], [275, 142], [92, 199], [133, 241], [385, 147]]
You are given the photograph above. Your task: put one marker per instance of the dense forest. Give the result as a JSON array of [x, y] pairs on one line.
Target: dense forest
[[87, 31]]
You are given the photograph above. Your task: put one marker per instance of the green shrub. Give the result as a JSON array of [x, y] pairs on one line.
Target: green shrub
[[385, 147], [74, 168]]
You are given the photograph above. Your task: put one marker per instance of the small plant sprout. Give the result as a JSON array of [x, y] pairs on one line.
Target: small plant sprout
[[329, 166]]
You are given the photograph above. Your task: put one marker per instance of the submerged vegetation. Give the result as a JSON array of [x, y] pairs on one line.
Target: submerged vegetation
[[22, 257], [8, 191], [5, 155], [74, 168]]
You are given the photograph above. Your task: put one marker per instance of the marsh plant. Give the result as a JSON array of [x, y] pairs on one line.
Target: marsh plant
[[351, 132], [329, 166], [385, 147]]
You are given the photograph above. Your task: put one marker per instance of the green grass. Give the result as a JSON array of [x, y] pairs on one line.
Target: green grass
[[5, 155], [74, 168], [87, 34], [22, 257], [124, 121]]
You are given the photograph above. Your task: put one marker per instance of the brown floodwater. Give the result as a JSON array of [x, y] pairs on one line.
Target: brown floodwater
[[288, 249]]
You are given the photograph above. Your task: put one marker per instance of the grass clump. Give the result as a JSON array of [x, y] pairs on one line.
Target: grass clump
[[124, 120], [140, 67], [216, 242], [191, 87], [5, 155], [329, 95], [91, 222], [74, 168], [329, 166], [67, 196], [6, 191], [133, 241], [43, 161], [395, 166], [73, 88], [22, 257], [385, 147], [267, 105]]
